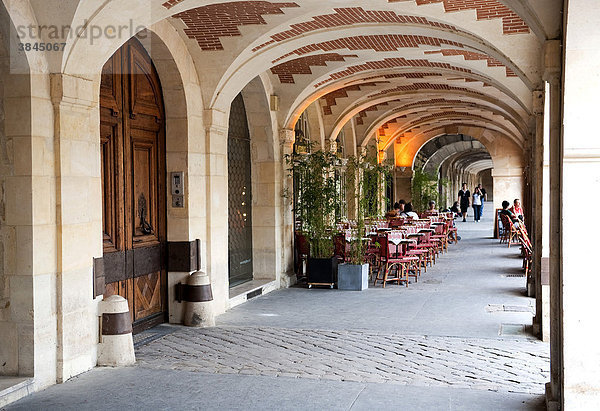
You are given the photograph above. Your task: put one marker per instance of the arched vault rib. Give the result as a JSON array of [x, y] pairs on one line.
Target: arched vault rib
[[219, 85], [308, 95], [428, 105], [350, 40], [471, 161], [449, 119], [365, 102], [498, 145], [437, 150]]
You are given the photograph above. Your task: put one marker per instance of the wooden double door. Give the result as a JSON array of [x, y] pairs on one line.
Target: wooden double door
[[132, 130]]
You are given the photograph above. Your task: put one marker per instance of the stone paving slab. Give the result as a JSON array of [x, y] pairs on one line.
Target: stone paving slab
[[459, 339], [489, 364], [138, 388]]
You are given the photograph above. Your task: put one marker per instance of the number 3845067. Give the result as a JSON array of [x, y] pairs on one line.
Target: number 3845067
[[42, 46]]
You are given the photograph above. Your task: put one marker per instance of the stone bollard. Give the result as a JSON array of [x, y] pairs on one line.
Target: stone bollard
[[198, 311], [116, 344]]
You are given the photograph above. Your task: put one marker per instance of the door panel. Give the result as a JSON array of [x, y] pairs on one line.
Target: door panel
[[133, 182], [144, 192], [147, 295], [109, 212], [240, 195]]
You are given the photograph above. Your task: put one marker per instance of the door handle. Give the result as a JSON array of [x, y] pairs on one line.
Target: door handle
[[143, 212]]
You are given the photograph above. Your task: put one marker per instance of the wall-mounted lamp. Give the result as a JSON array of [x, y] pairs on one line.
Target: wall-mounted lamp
[[300, 143], [274, 102]]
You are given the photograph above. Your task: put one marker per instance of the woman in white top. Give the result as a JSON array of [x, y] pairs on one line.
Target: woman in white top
[[477, 197]]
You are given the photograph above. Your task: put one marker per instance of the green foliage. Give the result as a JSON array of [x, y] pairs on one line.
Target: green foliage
[[364, 178], [315, 198], [425, 188]]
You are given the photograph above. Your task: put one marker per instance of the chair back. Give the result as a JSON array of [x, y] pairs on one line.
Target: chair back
[[339, 242], [302, 244], [383, 246]]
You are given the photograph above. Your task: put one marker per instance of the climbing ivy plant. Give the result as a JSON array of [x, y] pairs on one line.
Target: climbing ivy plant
[[425, 188], [365, 180], [315, 198]]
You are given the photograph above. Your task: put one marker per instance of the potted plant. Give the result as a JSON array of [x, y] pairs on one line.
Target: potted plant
[[314, 206], [364, 177]]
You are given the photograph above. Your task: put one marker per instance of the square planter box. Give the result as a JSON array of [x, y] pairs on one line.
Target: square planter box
[[322, 271], [353, 277]]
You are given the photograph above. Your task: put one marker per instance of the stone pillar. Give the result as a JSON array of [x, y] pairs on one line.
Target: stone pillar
[[79, 218], [542, 315], [217, 207], [381, 205], [552, 58], [573, 274], [508, 184], [28, 242], [545, 261], [402, 183], [286, 140]]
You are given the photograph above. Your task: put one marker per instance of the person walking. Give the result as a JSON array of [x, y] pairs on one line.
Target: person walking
[[483, 197], [477, 200], [464, 199]]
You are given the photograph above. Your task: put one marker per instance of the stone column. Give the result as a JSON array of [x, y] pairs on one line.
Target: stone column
[[508, 184], [552, 57], [382, 207], [286, 140], [28, 242], [574, 276], [402, 183], [79, 219], [541, 291], [217, 206], [545, 260]]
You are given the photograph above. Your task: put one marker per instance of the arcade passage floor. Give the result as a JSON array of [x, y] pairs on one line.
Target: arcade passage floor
[[457, 339]]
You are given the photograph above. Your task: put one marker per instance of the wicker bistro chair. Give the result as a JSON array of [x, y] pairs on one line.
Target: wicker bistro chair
[[452, 229], [301, 253], [421, 248], [526, 248], [429, 238], [510, 234], [341, 247], [441, 233], [395, 265], [373, 254], [527, 257]]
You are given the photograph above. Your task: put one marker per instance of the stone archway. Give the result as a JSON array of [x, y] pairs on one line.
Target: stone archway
[[81, 242], [267, 226]]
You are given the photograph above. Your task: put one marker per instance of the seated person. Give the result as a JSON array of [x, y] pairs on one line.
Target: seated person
[[408, 212], [394, 212], [431, 209], [455, 209], [509, 213], [517, 210]]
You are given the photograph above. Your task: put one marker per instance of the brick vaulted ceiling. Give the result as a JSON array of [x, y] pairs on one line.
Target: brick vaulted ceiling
[[364, 61]]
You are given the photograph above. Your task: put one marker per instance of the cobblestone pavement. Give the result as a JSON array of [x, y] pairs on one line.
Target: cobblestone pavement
[[520, 366]]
